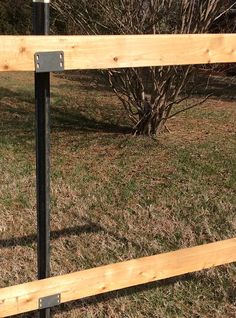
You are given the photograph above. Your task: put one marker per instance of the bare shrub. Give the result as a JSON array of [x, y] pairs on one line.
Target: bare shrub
[[148, 94]]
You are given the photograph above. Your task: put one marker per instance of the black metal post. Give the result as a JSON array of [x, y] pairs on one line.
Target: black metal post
[[42, 103]]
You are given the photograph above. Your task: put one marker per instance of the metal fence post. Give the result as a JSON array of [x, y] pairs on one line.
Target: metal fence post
[[42, 103]]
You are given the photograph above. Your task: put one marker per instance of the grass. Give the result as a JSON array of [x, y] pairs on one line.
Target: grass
[[116, 197]]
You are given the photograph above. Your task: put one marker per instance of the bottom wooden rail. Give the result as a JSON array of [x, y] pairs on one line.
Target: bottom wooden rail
[[23, 298]]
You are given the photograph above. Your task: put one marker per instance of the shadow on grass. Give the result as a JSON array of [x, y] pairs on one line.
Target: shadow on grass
[[30, 239], [62, 120], [218, 86], [88, 227], [21, 95], [74, 120], [88, 80]]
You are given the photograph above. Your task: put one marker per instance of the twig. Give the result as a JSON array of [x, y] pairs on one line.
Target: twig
[[222, 13], [187, 108]]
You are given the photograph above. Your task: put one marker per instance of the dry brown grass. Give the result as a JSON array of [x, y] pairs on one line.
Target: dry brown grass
[[116, 197]]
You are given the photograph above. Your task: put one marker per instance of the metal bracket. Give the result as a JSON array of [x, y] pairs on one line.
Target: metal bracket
[[49, 301], [49, 62]]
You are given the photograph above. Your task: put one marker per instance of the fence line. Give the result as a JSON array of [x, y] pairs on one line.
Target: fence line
[[101, 52], [25, 297], [95, 52]]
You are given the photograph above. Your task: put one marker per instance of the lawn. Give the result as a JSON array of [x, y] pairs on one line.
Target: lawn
[[116, 197]]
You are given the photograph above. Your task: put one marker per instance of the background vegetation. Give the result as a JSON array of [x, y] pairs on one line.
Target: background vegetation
[[149, 95]]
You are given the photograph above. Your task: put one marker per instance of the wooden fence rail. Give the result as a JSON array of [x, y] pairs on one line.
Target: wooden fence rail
[[25, 297], [99, 52]]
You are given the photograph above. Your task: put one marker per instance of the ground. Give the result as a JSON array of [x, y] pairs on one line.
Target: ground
[[117, 197]]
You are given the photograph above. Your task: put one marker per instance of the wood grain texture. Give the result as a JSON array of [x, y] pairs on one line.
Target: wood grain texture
[[99, 52], [24, 298]]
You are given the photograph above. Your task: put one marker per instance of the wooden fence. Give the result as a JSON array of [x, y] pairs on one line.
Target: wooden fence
[[95, 52]]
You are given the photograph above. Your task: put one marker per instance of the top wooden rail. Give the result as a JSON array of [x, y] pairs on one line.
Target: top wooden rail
[[116, 51]]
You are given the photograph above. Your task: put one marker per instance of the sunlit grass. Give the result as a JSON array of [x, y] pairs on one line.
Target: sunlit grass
[[116, 197]]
